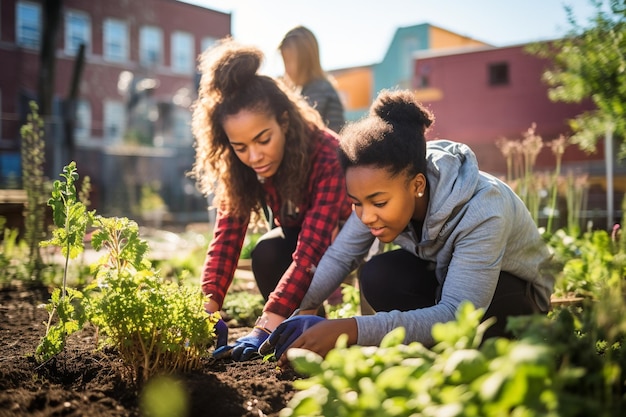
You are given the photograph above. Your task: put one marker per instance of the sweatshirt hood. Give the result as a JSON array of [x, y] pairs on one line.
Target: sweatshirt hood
[[452, 174]]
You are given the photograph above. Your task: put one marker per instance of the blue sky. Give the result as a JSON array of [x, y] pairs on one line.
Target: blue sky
[[358, 32]]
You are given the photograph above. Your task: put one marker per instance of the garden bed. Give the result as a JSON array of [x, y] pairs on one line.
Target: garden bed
[[81, 381]]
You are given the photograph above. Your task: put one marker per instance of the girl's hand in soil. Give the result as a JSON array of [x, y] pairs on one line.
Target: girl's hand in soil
[[221, 328], [287, 332], [245, 348], [320, 337], [221, 331]]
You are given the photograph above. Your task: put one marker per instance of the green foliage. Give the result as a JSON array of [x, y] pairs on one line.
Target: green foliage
[[243, 307], [570, 363], [69, 215], [590, 264], [33, 158], [124, 249], [185, 267], [12, 250], [351, 300], [71, 218], [457, 377], [157, 326], [248, 245], [71, 318], [589, 64], [587, 341]]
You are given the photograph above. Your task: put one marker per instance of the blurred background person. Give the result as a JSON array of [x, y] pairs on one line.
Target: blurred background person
[[301, 57]]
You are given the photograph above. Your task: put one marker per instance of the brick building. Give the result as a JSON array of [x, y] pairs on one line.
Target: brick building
[[136, 85]]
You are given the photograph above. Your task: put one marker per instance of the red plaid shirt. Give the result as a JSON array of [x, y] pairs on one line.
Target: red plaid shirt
[[326, 204]]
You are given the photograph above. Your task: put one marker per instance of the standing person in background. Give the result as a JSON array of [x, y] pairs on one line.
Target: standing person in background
[[463, 235], [260, 145], [301, 56]]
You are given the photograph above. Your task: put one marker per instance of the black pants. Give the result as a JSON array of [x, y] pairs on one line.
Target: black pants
[[272, 256], [397, 280]]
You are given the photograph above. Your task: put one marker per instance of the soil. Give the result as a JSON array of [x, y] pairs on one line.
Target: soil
[[83, 381]]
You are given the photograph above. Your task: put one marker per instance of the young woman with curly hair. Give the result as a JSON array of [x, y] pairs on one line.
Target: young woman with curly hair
[[260, 147]]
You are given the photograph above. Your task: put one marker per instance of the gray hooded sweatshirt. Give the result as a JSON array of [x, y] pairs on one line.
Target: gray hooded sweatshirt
[[475, 227]]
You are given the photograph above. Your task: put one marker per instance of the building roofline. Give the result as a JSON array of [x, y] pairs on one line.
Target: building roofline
[[433, 53]]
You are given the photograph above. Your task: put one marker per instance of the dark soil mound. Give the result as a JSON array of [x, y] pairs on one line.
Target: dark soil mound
[[82, 381]]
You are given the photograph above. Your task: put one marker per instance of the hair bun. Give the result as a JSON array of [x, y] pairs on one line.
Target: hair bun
[[401, 107], [233, 65]]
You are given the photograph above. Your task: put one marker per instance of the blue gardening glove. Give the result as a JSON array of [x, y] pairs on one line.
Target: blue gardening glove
[[245, 348], [286, 333], [221, 331]]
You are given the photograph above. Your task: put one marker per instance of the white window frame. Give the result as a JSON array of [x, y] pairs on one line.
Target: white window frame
[[114, 118], [183, 52], [115, 36], [150, 46], [207, 42], [82, 128], [181, 126], [77, 33], [28, 28]]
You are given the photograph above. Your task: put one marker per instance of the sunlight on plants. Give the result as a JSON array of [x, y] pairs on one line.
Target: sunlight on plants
[[156, 326]]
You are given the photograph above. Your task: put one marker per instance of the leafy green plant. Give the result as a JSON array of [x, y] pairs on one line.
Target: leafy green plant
[[33, 158], [12, 249], [459, 376], [351, 300], [70, 216], [71, 219], [157, 326]]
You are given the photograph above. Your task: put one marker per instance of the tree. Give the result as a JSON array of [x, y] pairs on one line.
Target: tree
[[590, 64]]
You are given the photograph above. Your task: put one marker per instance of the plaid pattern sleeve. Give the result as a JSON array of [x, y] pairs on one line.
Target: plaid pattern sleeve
[[327, 205], [222, 256]]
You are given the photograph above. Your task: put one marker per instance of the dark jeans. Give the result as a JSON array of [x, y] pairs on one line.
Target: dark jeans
[[397, 280], [272, 256]]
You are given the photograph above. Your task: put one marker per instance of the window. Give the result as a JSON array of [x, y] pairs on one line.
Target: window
[[409, 45], [115, 40], [499, 74], [77, 32], [181, 126], [183, 60], [150, 46], [82, 129], [207, 43], [114, 121], [28, 24], [422, 77]]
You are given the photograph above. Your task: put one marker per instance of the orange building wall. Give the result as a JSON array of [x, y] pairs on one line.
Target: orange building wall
[[355, 87]]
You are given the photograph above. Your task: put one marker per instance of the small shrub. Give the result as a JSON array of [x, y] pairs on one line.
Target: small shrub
[[157, 326]]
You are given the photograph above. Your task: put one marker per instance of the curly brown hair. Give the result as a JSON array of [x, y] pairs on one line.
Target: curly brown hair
[[230, 83]]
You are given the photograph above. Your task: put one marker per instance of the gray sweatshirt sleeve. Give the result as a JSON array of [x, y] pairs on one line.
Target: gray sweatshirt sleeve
[[343, 256]]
